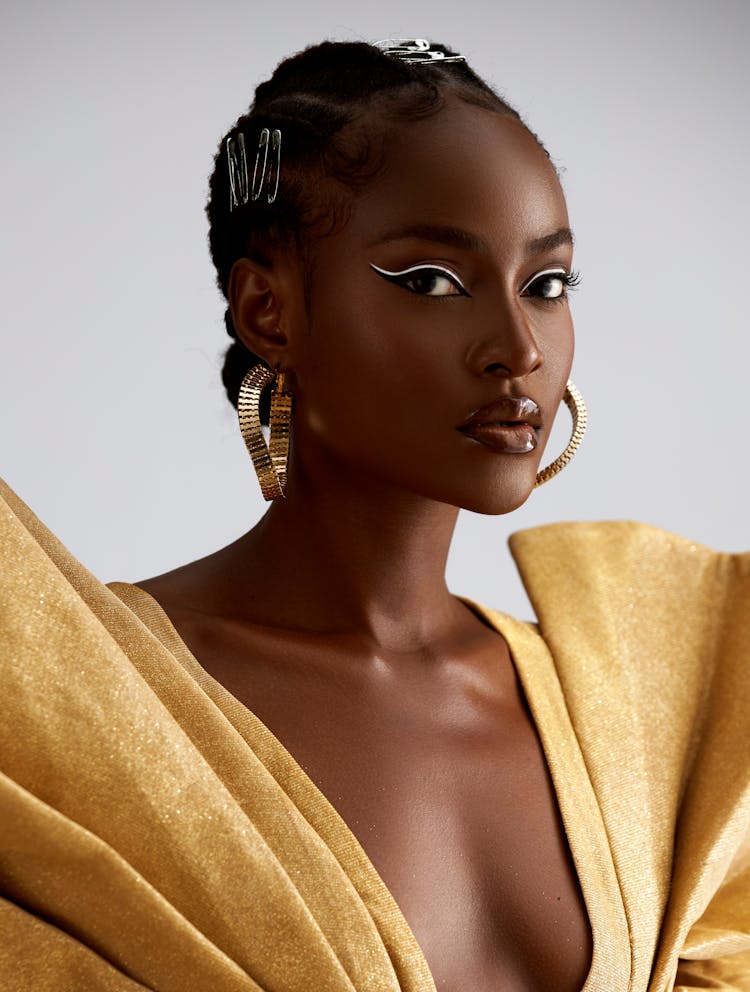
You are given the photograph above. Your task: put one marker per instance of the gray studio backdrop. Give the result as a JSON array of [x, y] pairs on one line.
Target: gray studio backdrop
[[114, 426]]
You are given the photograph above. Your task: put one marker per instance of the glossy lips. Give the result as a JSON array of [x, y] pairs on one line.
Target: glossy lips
[[509, 424]]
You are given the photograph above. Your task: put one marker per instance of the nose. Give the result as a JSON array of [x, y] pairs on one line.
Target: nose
[[510, 349]]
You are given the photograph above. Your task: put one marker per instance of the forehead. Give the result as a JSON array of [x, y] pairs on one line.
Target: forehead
[[466, 168]]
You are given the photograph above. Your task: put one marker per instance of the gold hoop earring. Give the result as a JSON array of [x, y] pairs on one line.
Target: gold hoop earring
[[269, 460], [574, 402]]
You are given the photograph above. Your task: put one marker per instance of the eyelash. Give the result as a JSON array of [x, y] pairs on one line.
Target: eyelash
[[401, 278], [571, 280]]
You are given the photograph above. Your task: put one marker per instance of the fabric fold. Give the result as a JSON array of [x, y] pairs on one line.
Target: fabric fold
[[154, 834], [651, 637], [102, 725]]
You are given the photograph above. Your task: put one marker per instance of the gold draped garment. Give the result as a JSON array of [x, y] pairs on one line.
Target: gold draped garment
[[154, 834]]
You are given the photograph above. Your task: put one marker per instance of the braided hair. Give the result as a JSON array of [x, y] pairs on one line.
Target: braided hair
[[314, 97]]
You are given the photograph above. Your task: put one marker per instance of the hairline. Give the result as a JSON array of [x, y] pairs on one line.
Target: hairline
[[306, 242]]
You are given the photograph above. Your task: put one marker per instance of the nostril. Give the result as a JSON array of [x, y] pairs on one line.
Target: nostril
[[494, 367]]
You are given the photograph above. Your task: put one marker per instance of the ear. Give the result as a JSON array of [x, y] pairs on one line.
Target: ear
[[256, 295]]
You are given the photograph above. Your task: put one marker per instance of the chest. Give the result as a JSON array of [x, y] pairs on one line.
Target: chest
[[446, 787]]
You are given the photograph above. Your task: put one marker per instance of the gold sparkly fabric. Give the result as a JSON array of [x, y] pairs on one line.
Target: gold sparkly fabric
[[155, 835]]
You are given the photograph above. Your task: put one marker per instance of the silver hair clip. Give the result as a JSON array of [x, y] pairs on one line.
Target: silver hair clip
[[237, 162], [262, 148], [276, 152], [415, 50], [237, 165]]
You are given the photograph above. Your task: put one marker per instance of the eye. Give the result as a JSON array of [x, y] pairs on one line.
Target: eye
[[425, 280], [551, 284]]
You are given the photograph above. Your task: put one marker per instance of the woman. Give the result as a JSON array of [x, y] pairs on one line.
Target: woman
[[301, 763]]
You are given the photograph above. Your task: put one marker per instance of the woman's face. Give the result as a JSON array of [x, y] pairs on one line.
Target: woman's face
[[395, 361]]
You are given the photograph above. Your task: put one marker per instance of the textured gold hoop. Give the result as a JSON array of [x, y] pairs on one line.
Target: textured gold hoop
[[269, 460], [574, 402]]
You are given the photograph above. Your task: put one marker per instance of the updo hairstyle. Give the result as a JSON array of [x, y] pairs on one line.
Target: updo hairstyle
[[327, 101]]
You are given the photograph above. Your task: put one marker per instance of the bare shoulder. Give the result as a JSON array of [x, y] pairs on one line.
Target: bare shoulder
[[199, 586]]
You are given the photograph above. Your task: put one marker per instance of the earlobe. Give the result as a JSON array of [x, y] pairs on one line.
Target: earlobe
[[256, 306]]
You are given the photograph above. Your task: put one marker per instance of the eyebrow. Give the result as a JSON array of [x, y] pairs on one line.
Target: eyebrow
[[563, 236], [447, 234], [434, 232]]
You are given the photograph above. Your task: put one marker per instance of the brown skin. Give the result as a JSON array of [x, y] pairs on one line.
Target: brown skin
[[331, 618]]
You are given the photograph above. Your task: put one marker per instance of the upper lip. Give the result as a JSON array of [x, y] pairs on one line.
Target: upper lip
[[506, 410]]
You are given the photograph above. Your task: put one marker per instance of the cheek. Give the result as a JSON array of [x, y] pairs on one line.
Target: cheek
[[555, 337], [370, 374], [559, 353], [558, 362]]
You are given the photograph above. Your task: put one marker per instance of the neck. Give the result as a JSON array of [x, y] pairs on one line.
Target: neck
[[350, 554]]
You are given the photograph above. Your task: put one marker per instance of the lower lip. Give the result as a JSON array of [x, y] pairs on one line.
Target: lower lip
[[516, 439]]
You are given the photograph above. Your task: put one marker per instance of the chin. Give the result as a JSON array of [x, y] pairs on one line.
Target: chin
[[490, 497], [495, 490], [495, 503]]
